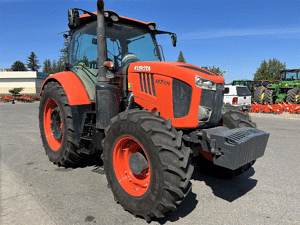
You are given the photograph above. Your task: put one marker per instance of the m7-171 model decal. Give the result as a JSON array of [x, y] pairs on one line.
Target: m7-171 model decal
[[162, 82]]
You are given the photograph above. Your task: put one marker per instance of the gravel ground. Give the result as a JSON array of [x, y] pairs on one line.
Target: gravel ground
[[34, 191], [284, 115]]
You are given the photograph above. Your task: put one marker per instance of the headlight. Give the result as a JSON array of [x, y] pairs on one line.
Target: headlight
[[204, 83], [198, 81]]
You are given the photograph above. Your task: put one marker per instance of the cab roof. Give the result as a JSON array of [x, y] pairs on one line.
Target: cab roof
[[86, 18]]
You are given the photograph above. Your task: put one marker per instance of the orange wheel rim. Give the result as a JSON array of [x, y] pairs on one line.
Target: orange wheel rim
[[135, 185], [49, 119]]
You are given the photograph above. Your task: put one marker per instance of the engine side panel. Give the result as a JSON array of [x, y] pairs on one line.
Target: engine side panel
[[154, 92], [75, 90]]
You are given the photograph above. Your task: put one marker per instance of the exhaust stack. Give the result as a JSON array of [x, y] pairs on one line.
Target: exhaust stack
[[101, 41], [106, 100]]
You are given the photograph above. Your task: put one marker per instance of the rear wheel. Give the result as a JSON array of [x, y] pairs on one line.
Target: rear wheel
[[293, 95], [56, 126], [269, 96], [259, 95], [232, 118], [146, 163]]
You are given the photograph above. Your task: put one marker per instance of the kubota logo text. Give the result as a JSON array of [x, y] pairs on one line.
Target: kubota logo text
[[142, 68]]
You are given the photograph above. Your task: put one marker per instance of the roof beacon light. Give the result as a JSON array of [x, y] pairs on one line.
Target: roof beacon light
[[152, 27], [114, 18], [106, 14]]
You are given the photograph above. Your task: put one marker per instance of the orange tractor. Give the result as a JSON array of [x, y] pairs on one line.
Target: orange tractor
[[150, 119]]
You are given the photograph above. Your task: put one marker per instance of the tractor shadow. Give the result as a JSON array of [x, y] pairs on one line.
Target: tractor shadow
[[185, 208], [228, 189], [91, 160]]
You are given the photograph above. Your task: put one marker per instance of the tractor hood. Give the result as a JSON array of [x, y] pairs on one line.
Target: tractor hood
[[173, 89], [181, 71]]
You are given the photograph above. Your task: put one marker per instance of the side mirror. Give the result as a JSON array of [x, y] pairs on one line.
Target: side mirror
[[174, 39], [73, 16]]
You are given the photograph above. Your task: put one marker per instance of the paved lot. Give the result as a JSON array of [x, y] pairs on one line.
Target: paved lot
[[34, 191]]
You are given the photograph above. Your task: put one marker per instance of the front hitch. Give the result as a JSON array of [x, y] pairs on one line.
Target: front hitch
[[233, 148]]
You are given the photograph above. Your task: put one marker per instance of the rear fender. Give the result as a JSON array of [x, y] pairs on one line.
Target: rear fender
[[72, 85]]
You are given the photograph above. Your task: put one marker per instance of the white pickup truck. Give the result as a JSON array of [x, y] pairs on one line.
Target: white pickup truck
[[239, 96]]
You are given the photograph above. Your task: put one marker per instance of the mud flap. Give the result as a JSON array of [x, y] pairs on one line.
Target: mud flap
[[233, 148]]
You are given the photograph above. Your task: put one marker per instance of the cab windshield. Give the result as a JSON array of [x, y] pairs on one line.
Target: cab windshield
[[125, 44], [249, 84], [289, 75]]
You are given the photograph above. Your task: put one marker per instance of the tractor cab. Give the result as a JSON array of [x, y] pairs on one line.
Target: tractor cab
[[127, 41], [125, 44], [290, 75]]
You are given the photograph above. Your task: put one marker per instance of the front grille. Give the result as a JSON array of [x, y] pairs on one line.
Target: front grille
[[182, 95], [214, 101]]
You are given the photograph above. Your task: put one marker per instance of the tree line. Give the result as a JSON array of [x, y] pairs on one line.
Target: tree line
[[32, 63], [269, 70], [266, 71]]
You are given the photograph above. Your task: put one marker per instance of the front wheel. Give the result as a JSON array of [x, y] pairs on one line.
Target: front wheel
[[146, 163], [56, 126]]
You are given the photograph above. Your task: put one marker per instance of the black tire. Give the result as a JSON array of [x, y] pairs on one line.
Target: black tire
[[56, 126], [259, 95], [293, 95], [235, 118], [167, 156], [231, 118], [269, 96]]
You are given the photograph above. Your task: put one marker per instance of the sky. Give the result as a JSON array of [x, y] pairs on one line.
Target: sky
[[235, 35]]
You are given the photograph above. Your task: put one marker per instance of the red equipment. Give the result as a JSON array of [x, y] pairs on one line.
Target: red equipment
[[6, 98], [278, 107]]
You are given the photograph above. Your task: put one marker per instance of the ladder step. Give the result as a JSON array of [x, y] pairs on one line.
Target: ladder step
[[86, 138], [86, 151], [88, 125], [91, 112]]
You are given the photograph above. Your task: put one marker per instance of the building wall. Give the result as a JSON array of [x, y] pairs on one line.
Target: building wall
[[30, 81]]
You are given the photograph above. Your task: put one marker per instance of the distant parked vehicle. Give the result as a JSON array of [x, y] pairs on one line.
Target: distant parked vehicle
[[252, 85], [239, 96], [287, 89]]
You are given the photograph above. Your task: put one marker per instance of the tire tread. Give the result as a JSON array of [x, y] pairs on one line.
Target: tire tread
[[177, 166], [70, 156]]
